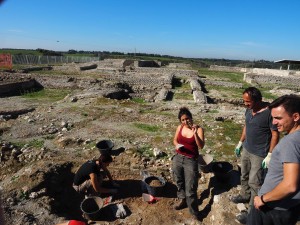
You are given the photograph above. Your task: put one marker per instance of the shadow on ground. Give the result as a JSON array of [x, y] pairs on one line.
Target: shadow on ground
[[217, 186]]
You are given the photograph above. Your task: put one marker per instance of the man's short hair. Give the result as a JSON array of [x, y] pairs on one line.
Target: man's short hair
[[106, 158], [291, 103], [254, 93]]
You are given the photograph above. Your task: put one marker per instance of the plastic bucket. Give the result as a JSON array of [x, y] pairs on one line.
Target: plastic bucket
[[204, 163], [154, 185], [222, 171], [91, 207], [105, 146]]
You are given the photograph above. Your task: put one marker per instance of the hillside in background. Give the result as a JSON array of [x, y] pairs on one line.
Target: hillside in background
[[197, 62]]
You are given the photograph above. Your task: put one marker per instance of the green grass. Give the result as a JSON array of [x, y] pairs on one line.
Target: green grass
[[214, 111], [50, 95], [85, 114], [53, 72], [234, 77], [186, 95], [147, 127], [138, 100], [101, 100], [221, 75], [145, 151], [153, 111], [20, 51], [224, 137], [179, 85], [158, 139], [226, 92], [14, 178], [35, 52], [23, 195], [80, 54], [266, 94], [49, 137], [183, 91], [35, 143], [232, 130]]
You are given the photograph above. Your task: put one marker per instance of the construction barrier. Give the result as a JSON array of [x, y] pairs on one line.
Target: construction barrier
[[6, 61]]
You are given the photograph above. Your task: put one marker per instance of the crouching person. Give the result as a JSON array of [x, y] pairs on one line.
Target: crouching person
[[88, 179]]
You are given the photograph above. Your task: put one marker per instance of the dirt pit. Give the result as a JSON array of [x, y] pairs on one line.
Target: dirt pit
[[154, 182]]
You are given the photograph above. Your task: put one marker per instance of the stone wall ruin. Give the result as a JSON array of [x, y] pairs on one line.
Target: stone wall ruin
[[114, 78], [267, 77]]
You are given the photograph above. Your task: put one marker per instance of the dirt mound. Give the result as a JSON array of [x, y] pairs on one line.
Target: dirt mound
[[154, 182]]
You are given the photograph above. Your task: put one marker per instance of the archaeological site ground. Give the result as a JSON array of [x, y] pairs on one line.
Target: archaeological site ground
[[52, 117]]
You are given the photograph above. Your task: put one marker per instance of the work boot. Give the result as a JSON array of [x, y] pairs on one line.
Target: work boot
[[181, 205], [199, 216], [242, 217], [239, 199]]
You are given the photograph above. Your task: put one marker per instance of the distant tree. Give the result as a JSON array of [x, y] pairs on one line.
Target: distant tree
[[72, 51], [117, 53], [49, 52]]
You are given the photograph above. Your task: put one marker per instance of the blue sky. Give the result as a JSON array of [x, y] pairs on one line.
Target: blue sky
[[230, 29]]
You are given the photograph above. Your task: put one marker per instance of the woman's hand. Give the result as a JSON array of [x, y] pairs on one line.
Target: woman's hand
[[195, 128]]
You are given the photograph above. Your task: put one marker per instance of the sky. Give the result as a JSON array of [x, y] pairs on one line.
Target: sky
[[229, 29]]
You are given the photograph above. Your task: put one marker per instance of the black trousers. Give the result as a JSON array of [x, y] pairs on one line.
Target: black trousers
[[269, 216]]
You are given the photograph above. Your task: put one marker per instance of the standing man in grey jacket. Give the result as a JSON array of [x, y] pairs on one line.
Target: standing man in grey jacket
[[259, 137]]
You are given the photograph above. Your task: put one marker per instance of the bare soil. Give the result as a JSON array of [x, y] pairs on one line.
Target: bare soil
[[36, 180], [154, 183]]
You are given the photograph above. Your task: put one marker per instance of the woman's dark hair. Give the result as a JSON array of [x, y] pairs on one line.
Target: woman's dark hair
[[184, 111], [254, 94], [106, 158], [291, 103]]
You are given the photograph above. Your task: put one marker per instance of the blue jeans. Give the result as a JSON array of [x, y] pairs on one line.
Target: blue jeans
[[251, 175], [186, 175]]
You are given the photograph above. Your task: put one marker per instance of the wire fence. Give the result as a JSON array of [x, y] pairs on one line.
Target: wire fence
[[49, 60]]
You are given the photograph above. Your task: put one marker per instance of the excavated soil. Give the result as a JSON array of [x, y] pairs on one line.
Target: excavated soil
[[154, 183], [45, 142]]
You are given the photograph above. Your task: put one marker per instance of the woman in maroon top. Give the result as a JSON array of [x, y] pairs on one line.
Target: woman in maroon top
[[188, 139]]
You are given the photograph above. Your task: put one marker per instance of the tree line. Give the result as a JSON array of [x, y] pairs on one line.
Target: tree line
[[200, 62]]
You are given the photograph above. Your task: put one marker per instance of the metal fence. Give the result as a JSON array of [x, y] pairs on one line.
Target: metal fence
[[49, 60]]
